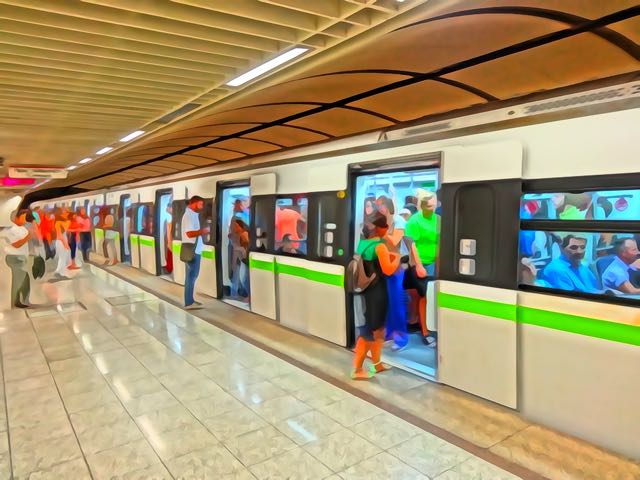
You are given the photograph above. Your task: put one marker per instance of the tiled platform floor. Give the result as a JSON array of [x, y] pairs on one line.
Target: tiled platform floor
[[147, 390]]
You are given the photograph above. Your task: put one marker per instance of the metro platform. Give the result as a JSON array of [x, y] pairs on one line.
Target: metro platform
[[108, 380]]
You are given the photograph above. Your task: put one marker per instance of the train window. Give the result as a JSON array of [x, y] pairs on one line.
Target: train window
[[144, 220], [291, 225], [596, 205], [96, 217], [206, 221], [585, 262]]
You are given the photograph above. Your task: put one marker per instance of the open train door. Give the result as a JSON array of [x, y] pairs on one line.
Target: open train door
[[478, 271]]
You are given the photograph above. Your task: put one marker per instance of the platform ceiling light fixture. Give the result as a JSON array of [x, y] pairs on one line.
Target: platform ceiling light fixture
[[131, 136], [85, 160], [265, 67], [104, 150], [72, 167]]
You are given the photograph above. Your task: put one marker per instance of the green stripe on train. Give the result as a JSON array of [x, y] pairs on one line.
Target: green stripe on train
[[590, 327], [177, 248], [99, 233], [209, 254], [314, 276], [147, 242], [261, 265], [134, 239]]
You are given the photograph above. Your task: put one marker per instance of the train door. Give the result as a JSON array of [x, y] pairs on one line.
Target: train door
[[207, 281], [163, 235], [124, 225], [234, 203], [406, 201], [97, 217]]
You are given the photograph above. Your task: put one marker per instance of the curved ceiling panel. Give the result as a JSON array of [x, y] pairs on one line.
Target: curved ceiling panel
[[445, 56], [566, 62], [421, 99]]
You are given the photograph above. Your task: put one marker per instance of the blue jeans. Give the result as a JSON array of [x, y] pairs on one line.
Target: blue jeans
[[396, 321], [191, 275]]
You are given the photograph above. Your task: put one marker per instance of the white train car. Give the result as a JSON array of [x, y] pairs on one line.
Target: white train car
[[512, 189]]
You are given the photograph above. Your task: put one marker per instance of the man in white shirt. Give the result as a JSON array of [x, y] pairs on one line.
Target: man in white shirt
[[17, 253], [192, 233]]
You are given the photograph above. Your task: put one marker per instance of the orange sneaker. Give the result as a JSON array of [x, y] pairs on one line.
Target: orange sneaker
[[360, 374], [379, 368]]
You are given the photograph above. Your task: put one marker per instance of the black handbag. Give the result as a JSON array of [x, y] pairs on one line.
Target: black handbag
[[38, 267], [188, 252]]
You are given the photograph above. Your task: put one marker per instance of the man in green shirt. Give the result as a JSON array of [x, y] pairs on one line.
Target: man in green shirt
[[424, 229]]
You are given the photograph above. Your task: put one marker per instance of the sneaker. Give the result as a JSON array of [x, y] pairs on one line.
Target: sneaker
[[429, 341], [398, 348], [195, 302], [379, 368], [360, 375]]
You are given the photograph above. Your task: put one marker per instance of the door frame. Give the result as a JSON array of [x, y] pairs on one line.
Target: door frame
[[217, 205], [157, 234], [122, 213]]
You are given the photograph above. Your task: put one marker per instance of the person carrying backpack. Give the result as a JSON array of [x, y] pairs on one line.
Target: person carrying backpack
[[377, 261]]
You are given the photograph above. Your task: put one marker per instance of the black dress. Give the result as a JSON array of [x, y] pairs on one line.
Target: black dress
[[375, 297]]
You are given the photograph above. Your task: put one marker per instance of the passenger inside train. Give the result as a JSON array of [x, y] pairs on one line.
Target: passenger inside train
[[408, 202], [581, 259]]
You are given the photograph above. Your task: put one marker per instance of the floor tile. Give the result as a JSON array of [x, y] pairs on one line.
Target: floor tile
[[213, 405], [294, 464], [123, 459], [108, 436], [97, 416], [280, 408], [128, 388], [5, 465], [350, 411], [308, 427], [382, 467], [180, 441], [259, 445], [195, 390], [32, 400], [341, 450], [165, 419], [150, 402], [72, 470], [258, 393], [43, 455], [321, 395], [89, 399], [80, 385], [210, 463], [50, 428], [31, 383], [476, 469], [154, 472], [429, 454], [294, 382], [234, 423], [386, 430]]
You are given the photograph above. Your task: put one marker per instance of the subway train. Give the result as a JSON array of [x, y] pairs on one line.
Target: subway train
[[533, 299]]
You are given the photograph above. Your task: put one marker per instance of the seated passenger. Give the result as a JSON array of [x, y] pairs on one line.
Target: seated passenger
[[616, 275], [567, 272], [287, 245]]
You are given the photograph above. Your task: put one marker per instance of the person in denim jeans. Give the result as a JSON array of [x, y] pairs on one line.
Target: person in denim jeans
[[192, 233]]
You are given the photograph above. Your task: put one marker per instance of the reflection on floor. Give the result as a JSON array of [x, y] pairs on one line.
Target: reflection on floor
[[415, 357], [237, 303], [138, 388]]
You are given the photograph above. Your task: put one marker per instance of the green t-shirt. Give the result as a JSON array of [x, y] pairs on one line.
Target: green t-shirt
[[425, 232], [366, 248]]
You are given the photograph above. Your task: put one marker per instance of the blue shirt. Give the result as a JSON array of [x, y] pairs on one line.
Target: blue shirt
[[616, 274], [564, 276]]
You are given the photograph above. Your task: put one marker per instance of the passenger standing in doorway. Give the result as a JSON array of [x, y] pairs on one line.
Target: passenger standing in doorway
[[192, 233], [17, 253], [73, 237], [376, 259], [168, 235], [424, 229]]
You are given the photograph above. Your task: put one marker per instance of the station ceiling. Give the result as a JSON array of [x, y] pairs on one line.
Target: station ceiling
[[79, 75]]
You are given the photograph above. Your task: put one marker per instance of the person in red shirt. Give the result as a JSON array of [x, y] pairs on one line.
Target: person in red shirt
[[73, 233], [287, 220]]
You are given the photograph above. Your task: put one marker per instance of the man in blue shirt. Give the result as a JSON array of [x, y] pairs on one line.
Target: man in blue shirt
[[567, 272], [616, 275]]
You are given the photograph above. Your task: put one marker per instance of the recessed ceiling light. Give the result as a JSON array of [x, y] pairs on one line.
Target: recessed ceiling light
[[72, 167], [131, 136], [104, 150], [265, 67], [85, 160]]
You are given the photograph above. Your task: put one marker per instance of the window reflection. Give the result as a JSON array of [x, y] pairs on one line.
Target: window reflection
[[587, 262], [291, 225], [598, 205]]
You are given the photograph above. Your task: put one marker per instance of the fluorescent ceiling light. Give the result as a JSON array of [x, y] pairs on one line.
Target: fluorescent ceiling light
[[72, 167], [104, 150], [131, 136], [85, 160], [265, 67]]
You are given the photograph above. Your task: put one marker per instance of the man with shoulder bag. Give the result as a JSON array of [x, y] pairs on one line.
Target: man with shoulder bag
[[192, 247]]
